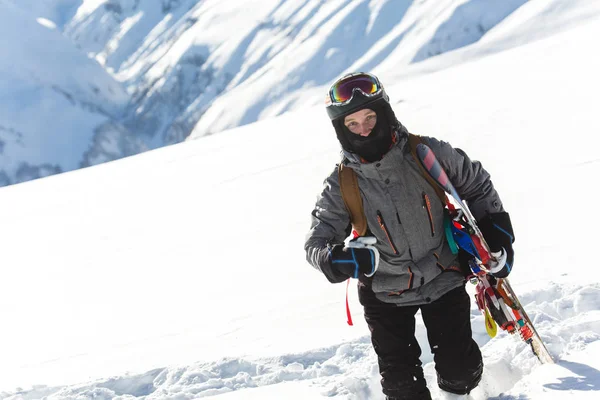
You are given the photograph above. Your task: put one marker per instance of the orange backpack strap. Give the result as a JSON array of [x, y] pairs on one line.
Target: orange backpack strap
[[352, 199], [413, 141]]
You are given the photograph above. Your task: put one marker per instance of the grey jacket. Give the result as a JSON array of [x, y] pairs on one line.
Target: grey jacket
[[416, 265]]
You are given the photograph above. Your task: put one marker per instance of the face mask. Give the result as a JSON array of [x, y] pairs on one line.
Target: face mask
[[373, 147]]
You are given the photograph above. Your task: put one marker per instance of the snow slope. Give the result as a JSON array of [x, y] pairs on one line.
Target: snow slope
[[58, 12], [186, 67], [187, 63], [55, 103], [179, 273], [187, 71], [176, 66]]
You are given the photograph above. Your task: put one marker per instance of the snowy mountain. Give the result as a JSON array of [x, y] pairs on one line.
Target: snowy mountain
[[189, 63], [175, 68], [58, 108], [146, 278]]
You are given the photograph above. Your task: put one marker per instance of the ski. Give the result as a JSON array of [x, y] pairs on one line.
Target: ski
[[495, 298]]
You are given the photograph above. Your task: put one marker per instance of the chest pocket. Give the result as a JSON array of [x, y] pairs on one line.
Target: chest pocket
[[421, 214], [429, 211], [433, 211], [430, 216]]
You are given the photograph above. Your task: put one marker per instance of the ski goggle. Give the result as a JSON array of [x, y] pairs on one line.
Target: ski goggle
[[342, 91]]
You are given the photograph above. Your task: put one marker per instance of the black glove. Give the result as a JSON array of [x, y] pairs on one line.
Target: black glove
[[352, 261], [498, 233]]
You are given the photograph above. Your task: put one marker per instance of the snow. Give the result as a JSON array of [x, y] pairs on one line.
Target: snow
[[185, 67], [58, 12], [179, 273], [345, 36], [124, 76], [53, 99]]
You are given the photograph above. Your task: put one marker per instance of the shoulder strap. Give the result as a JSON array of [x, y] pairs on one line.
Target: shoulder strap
[[351, 192], [352, 200], [413, 141]]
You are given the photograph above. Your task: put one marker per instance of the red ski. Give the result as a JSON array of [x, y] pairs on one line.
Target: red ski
[[495, 298]]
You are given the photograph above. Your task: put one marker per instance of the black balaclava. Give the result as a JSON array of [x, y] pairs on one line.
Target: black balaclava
[[373, 147]]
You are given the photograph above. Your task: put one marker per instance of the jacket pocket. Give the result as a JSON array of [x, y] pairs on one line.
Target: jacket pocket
[[452, 267], [385, 230], [427, 206], [411, 277]]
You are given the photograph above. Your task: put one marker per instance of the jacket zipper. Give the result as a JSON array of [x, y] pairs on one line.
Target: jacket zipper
[[427, 206], [387, 233]]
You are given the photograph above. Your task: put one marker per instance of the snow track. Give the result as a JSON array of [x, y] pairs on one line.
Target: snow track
[[567, 317]]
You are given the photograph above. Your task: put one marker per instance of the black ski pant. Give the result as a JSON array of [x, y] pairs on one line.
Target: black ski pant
[[457, 357]]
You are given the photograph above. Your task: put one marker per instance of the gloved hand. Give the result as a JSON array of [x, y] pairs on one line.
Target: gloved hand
[[498, 233], [357, 256]]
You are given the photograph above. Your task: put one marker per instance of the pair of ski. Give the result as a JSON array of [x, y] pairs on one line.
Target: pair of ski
[[495, 297]]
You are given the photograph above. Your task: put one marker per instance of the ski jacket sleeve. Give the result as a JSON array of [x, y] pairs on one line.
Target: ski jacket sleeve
[[329, 224], [470, 179]]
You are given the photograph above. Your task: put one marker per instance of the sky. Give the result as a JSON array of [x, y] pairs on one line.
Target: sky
[[180, 273]]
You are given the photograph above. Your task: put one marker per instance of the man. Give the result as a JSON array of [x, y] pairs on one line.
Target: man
[[403, 261]]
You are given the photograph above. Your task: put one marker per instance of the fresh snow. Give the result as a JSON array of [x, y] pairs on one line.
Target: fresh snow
[[180, 274]]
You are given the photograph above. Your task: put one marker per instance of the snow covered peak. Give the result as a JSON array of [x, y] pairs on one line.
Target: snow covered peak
[[205, 66], [54, 98], [130, 75]]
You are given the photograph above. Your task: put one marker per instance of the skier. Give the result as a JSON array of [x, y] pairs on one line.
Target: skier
[[404, 263]]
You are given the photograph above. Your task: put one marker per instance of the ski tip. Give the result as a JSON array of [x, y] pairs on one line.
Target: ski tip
[[422, 150]]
